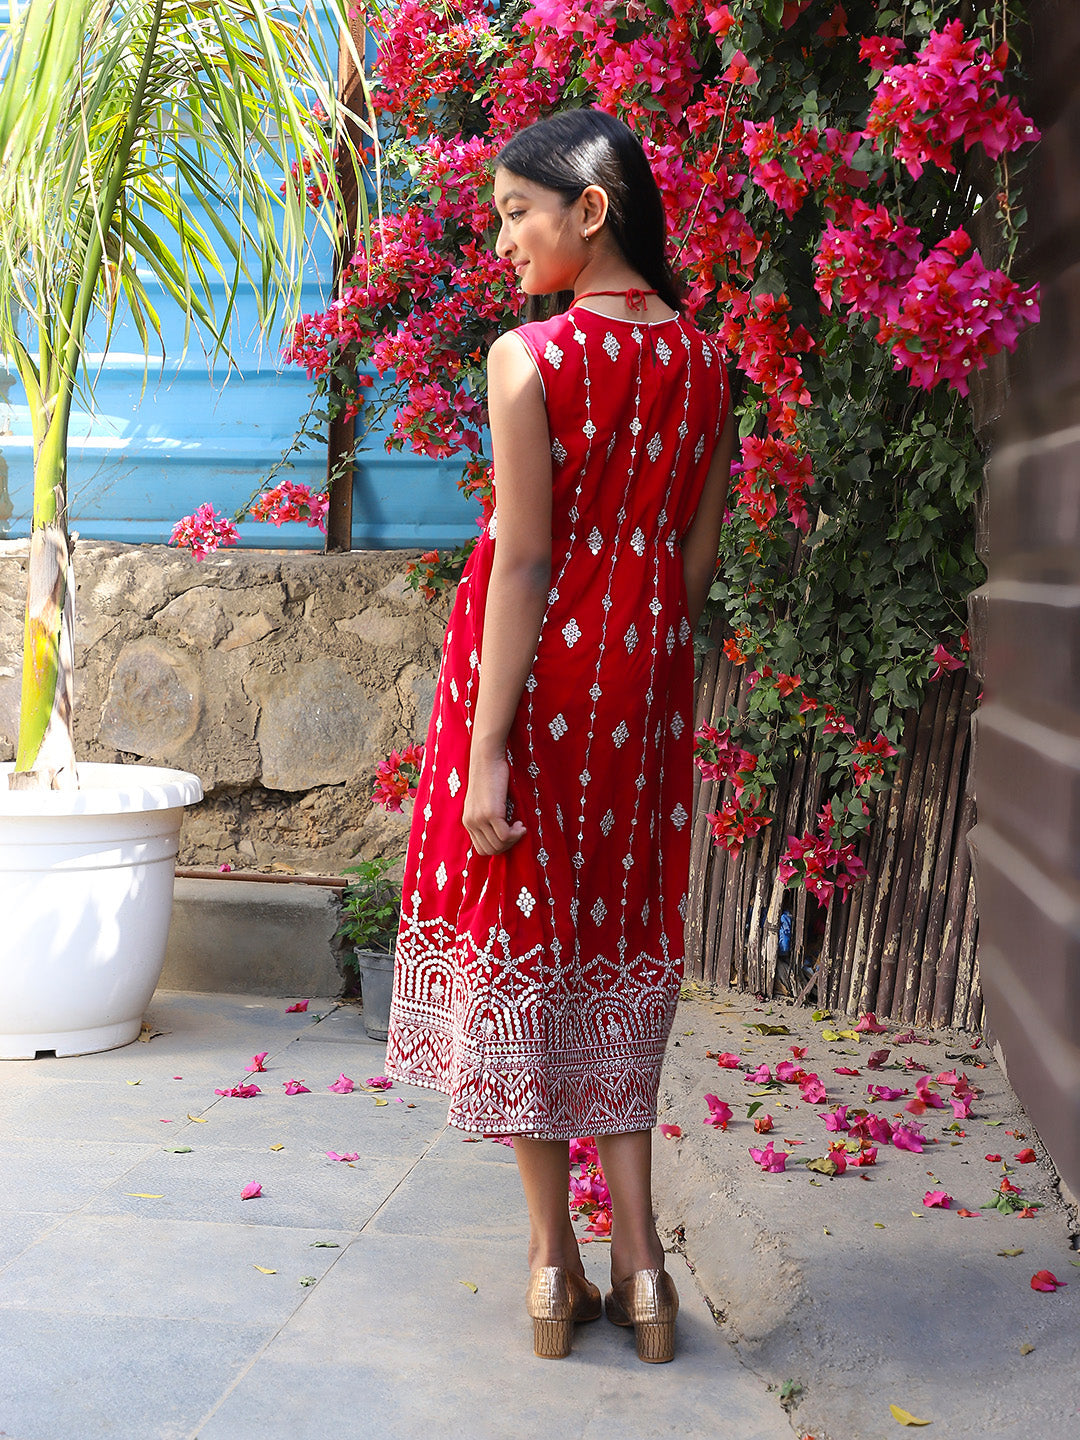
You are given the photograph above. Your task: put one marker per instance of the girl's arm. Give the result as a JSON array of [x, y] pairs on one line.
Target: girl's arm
[[702, 540], [518, 587]]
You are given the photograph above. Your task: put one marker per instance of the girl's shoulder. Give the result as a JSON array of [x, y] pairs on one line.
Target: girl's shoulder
[[538, 335]]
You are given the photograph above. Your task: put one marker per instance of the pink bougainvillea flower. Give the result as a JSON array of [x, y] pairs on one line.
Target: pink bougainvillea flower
[[296, 1087], [1025, 1156], [298, 1009], [761, 1076], [740, 71], [870, 1025], [348, 1157], [866, 1156], [727, 1061], [1046, 1280], [787, 1071], [993, 1157], [242, 1092], [256, 1065], [813, 1091], [885, 1093], [879, 1129], [770, 1160], [671, 1132], [342, 1085], [845, 1070], [876, 1059], [907, 1137], [1027, 1213], [835, 1119], [719, 1113], [961, 1106], [948, 1077], [910, 1063], [379, 1082], [937, 1200], [251, 1191], [969, 1214], [1008, 1188], [600, 1223], [763, 1124]]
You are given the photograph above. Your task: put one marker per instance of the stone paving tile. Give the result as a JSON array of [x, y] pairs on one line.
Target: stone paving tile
[[446, 1198], [21, 1229], [386, 1348], [79, 1377], [454, 1144], [301, 1187], [170, 1269], [59, 1175]]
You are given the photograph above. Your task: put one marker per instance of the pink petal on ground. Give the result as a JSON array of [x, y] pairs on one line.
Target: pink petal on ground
[[937, 1200], [906, 1137], [761, 1076], [769, 1159], [835, 1119], [798, 1051], [719, 1113], [870, 1025], [348, 1158], [813, 1091], [844, 1070], [296, 1087], [342, 1085], [866, 1156], [251, 1191], [256, 1066], [298, 1009], [884, 1092], [242, 1092], [671, 1132], [763, 1124], [993, 1157], [379, 1082], [961, 1109], [727, 1061], [786, 1071], [1046, 1280], [876, 1059], [1026, 1156]]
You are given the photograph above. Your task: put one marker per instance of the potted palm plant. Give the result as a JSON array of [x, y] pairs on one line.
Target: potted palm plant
[[112, 113], [370, 910]]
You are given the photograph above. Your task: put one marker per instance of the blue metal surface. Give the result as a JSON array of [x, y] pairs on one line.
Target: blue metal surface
[[154, 443]]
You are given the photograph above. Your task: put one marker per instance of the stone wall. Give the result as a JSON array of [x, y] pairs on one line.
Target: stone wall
[[278, 678]]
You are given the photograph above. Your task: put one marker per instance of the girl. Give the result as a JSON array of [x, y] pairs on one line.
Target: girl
[[540, 952]]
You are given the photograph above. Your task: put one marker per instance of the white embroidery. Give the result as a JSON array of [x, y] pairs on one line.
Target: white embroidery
[[542, 857], [627, 860], [578, 860], [584, 778], [684, 430], [493, 524], [639, 783], [630, 639], [526, 903], [620, 734], [440, 875], [579, 336], [611, 346], [636, 334], [706, 354], [454, 690], [530, 684], [558, 727], [453, 781], [684, 630], [677, 725], [682, 908], [594, 691], [428, 812], [635, 426], [669, 639], [588, 429], [637, 542], [654, 605], [663, 350], [534, 770], [594, 540], [553, 595], [598, 911], [607, 822], [558, 452], [699, 448], [552, 354], [654, 447], [571, 632], [610, 446], [679, 817]]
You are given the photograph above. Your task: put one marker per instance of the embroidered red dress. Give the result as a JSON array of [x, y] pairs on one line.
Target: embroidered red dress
[[537, 988]]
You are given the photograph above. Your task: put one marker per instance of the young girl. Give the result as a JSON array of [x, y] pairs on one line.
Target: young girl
[[541, 943]]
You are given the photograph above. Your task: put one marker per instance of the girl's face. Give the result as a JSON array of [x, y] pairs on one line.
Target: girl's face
[[541, 235]]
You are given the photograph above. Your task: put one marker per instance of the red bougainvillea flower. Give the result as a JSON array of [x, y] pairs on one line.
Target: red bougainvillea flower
[[671, 1132], [256, 1066], [1046, 1280], [727, 1061], [396, 777], [869, 1024], [876, 1059], [299, 1008], [770, 1160], [1008, 1188], [845, 1070], [719, 1113], [763, 1124], [296, 1087], [937, 1200], [798, 1051], [993, 1157], [1025, 1156], [969, 1214], [342, 1085], [204, 532], [944, 662], [867, 1155], [251, 1191]]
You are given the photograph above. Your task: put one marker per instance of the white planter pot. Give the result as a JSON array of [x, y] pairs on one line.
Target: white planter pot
[[86, 886]]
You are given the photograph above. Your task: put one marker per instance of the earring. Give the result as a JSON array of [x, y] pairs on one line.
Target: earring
[[585, 235]]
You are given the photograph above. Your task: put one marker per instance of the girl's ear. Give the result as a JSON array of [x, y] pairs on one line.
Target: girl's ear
[[594, 208]]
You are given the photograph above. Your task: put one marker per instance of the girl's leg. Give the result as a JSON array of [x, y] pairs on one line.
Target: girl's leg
[[627, 1162], [544, 1167]]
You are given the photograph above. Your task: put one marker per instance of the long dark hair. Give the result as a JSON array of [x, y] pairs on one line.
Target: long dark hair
[[577, 148]]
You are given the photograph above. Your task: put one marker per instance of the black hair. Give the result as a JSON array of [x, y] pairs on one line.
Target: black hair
[[577, 148]]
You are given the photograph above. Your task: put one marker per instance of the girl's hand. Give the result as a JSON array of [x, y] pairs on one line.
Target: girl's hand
[[484, 816]]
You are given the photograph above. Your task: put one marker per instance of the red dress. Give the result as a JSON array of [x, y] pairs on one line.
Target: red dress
[[537, 988]]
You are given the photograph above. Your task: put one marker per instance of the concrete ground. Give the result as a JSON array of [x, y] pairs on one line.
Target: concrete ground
[[142, 1299]]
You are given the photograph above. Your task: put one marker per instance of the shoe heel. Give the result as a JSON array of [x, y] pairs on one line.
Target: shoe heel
[[552, 1338], [655, 1341]]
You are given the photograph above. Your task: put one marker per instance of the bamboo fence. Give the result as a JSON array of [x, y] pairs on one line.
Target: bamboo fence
[[904, 943]]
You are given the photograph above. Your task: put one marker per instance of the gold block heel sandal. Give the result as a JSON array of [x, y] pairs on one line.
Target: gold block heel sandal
[[557, 1299], [649, 1302]]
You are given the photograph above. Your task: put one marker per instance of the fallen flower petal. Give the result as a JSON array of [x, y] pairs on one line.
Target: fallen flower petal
[[1046, 1280], [671, 1132], [1025, 1157], [379, 1082], [1008, 1188], [835, 1119], [727, 1061], [928, 1096], [969, 1214], [906, 1137], [866, 1156], [770, 1160], [763, 1124], [884, 1092], [1027, 1213], [813, 1091], [876, 1059], [844, 1070], [993, 1157], [905, 1417], [342, 1085], [961, 1107], [870, 1025], [298, 1009], [256, 1066], [251, 1191], [296, 1087], [937, 1200], [798, 1051], [242, 1092], [761, 1076], [347, 1158], [719, 1113]]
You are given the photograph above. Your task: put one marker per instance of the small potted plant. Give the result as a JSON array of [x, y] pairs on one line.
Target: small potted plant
[[370, 907]]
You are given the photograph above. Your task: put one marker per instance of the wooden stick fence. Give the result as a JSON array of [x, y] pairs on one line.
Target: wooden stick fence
[[904, 943]]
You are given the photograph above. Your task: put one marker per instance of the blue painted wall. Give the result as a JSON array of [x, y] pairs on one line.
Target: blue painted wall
[[152, 445]]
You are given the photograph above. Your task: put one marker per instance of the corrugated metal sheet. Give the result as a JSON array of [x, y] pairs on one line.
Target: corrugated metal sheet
[[153, 445]]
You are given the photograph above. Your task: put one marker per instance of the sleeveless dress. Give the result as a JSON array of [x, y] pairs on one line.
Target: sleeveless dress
[[537, 988]]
